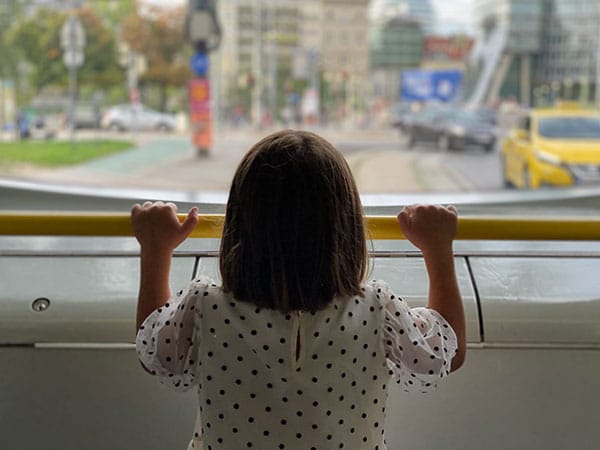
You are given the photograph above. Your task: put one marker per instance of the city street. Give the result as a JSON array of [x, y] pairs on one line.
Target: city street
[[379, 160]]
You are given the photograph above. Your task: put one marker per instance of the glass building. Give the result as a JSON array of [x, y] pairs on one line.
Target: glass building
[[420, 11], [536, 51], [396, 41]]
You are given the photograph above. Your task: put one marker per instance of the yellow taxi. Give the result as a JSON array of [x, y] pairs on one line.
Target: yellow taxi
[[557, 146]]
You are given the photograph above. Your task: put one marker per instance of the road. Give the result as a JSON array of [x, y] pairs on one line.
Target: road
[[379, 160]]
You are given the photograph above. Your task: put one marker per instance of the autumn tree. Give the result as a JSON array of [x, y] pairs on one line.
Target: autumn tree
[[158, 34]]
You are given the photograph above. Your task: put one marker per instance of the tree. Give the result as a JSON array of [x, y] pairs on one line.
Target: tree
[[101, 68], [158, 34], [9, 9], [9, 62], [37, 39]]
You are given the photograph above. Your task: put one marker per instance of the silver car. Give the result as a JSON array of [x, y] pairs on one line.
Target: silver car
[[137, 117]]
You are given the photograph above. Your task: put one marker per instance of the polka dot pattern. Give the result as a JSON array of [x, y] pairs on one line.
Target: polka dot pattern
[[300, 380]]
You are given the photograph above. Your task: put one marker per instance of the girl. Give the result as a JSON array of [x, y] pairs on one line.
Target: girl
[[295, 350]]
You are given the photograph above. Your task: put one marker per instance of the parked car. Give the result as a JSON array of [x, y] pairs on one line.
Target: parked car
[[85, 115], [137, 117], [557, 146], [465, 129]]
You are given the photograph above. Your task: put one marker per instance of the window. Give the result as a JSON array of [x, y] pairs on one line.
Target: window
[[343, 72], [483, 103]]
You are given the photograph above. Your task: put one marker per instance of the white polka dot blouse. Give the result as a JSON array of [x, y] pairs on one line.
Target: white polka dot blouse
[[268, 380]]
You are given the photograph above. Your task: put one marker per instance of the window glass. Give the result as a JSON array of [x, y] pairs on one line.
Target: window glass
[[167, 95], [570, 128]]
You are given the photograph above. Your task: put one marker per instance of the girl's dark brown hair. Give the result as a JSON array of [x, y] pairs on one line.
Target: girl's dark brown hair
[[293, 236]]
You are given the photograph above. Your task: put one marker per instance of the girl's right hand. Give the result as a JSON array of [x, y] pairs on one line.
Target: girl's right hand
[[157, 227], [429, 227]]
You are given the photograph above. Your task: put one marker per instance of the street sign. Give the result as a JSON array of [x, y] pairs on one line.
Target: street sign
[[425, 85], [72, 41], [72, 34], [199, 64], [73, 59]]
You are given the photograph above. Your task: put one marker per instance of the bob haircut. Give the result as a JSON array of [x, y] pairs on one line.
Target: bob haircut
[[293, 236]]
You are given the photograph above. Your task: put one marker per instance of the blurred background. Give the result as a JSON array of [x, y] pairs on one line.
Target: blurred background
[[380, 78]]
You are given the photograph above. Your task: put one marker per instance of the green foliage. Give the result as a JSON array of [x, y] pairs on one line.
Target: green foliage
[[100, 67], [33, 58], [57, 153], [37, 40], [8, 63]]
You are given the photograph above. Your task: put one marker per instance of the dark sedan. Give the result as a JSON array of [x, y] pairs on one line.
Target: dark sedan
[[465, 129], [449, 129], [425, 125]]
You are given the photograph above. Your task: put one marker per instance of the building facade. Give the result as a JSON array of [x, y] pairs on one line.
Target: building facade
[[420, 11], [396, 37], [536, 51], [268, 44], [256, 53]]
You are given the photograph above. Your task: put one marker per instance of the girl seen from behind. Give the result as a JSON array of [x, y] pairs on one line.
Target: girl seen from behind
[[295, 350]]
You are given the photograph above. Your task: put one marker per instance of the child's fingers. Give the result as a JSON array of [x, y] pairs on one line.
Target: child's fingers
[[404, 218], [190, 221], [403, 215], [452, 208], [135, 209]]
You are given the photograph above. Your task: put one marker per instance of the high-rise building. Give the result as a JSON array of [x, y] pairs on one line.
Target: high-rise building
[[536, 51]]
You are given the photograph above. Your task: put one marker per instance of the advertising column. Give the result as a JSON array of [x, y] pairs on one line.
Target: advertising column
[[200, 111]]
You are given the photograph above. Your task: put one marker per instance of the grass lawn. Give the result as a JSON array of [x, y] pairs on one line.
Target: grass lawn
[[57, 153]]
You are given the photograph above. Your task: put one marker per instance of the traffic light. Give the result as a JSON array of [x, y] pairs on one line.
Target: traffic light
[[203, 29]]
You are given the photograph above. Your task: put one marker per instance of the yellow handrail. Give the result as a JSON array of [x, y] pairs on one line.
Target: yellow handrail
[[379, 227]]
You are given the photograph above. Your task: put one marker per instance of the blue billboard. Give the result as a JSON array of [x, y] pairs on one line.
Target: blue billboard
[[427, 85]]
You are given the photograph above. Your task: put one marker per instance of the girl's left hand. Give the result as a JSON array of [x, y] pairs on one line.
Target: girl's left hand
[[157, 227]]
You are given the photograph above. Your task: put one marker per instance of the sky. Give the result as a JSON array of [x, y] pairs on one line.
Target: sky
[[455, 13]]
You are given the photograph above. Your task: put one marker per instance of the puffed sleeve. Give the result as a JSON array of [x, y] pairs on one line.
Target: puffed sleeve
[[419, 343], [168, 342]]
